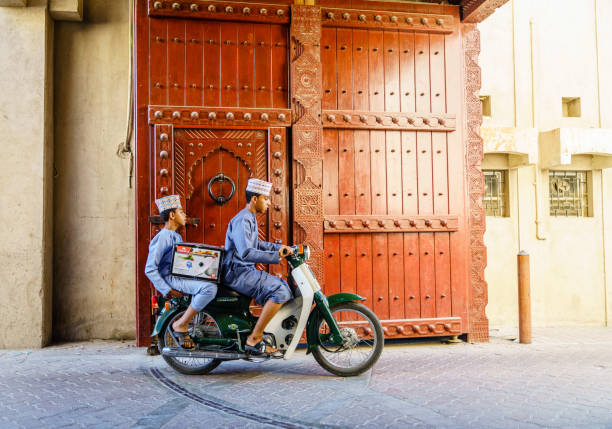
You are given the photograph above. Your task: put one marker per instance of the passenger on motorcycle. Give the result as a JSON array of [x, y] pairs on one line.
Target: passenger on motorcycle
[[159, 263], [242, 251]]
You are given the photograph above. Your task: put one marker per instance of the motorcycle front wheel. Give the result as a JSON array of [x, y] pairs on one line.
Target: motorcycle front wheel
[[203, 325], [363, 340]]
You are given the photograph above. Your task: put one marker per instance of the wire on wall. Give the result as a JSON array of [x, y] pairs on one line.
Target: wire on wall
[[124, 150]]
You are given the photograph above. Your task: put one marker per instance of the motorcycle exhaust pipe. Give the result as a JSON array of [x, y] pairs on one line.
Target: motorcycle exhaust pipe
[[178, 352]]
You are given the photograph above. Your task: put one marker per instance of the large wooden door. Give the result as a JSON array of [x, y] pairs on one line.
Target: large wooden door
[[386, 166], [392, 182], [379, 172], [212, 106]]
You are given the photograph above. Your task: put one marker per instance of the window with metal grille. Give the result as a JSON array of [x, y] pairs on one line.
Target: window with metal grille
[[569, 193], [495, 202]]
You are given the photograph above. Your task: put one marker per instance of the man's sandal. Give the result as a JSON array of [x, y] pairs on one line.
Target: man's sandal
[[183, 339], [259, 349]]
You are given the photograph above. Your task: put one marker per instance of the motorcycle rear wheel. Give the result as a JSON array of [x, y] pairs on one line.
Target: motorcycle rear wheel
[[190, 366], [363, 336]]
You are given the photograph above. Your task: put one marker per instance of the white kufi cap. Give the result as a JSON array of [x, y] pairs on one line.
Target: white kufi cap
[[260, 187], [169, 202]]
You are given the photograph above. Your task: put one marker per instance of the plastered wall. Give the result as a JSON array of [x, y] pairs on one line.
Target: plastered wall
[[534, 53], [94, 214], [25, 175]]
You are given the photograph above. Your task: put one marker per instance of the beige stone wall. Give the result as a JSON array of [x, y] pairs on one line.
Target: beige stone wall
[[534, 53], [94, 213], [25, 175]]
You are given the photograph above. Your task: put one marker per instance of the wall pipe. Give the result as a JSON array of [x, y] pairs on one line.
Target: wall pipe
[[603, 245], [536, 182], [538, 221]]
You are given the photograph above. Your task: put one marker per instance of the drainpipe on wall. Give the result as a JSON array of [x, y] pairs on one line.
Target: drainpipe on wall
[[597, 65], [538, 221], [536, 183], [603, 245]]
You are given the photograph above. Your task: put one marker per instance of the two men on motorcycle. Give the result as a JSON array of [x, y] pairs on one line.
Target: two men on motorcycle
[[243, 251]]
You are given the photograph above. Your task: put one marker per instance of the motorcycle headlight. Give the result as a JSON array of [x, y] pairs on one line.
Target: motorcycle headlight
[[306, 253]]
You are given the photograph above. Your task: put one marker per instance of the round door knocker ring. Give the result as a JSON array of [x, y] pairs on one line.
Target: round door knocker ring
[[221, 199]]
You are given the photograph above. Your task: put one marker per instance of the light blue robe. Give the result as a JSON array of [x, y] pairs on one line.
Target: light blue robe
[[242, 251], [158, 267]]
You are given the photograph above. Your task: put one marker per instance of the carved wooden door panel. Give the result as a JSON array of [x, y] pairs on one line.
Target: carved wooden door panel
[[218, 163], [212, 98], [390, 166]]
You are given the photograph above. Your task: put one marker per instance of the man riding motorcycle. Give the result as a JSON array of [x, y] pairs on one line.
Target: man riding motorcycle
[[243, 251], [159, 262]]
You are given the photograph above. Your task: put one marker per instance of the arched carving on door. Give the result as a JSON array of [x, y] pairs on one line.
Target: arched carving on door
[[195, 164]]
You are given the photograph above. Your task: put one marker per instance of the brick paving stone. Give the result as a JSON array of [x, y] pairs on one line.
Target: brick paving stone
[[563, 379]]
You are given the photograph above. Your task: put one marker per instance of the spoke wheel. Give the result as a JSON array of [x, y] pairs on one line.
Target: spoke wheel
[[203, 325], [363, 341]]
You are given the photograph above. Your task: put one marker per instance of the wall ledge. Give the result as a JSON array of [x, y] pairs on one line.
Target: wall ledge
[[66, 10], [13, 3], [520, 143], [559, 145]]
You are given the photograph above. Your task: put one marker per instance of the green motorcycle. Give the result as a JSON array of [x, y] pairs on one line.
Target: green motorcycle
[[344, 336]]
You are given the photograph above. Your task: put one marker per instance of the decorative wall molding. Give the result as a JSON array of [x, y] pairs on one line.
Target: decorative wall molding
[[403, 328], [422, 327], [478, 329], [247, 146], [198, 158], [419, 22], [307, 131], [385, 223], [225, 11], [219, 117], [278, 214], [164, 148], [388, 120]]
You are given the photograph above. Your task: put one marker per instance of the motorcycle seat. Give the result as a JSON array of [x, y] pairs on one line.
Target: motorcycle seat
[[225, 291]]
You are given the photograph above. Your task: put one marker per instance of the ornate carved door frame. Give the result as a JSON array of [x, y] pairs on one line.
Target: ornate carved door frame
[[307, 131]]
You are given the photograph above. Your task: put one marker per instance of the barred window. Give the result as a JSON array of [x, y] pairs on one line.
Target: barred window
[[569, 193], [495, 201]]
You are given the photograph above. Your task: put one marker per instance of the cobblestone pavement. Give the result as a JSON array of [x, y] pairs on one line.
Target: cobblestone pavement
[[563, 379]]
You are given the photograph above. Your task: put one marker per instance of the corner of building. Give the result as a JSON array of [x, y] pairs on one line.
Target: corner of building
[[26, 118]]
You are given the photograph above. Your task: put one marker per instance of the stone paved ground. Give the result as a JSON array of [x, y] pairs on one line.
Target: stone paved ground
[[563, 379]]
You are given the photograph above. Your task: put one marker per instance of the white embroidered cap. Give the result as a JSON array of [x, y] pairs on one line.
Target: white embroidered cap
[[169, 202], [260, 187]]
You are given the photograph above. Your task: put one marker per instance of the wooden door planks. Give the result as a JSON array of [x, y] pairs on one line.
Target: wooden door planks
[[387, 71], [263, 78], [176, 62], [279, 58], [246, 49], [194, 58], [212, 64]]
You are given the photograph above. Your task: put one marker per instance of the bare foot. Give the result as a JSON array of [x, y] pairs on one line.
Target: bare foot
[[180, 328]]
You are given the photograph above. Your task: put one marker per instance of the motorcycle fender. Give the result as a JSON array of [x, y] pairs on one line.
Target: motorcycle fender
[[163, 317], [315, 316], [338, 298]]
